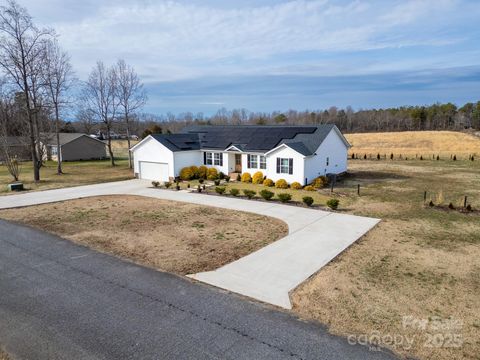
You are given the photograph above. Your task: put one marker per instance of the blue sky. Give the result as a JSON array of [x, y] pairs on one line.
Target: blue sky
[[201, 55]]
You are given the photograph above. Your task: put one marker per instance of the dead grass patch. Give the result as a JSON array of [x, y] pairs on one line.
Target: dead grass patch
[[172, 236]]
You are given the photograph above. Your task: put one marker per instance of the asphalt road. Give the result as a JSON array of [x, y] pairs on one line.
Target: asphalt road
[[59, 300]]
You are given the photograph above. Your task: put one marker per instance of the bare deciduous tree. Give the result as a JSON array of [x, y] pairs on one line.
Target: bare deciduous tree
[[21, 48], [100, 99], [131, 96], [57, 77]]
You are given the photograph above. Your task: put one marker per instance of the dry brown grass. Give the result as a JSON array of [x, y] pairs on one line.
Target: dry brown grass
[[411, 143], [171, 236], [417, 262], [120, 147], [4, 355], [75, 173]]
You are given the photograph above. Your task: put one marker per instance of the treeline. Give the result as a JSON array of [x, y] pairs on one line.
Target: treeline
[[433, 117]]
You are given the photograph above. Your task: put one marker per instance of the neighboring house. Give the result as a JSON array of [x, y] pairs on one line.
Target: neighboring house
[[293, 153], [16, 146], [75, 146]]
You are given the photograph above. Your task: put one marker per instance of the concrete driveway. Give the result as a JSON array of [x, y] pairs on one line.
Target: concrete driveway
[[269, 274], [59, 300]]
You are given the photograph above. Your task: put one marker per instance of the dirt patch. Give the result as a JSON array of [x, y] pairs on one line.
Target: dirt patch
[[172, 236]]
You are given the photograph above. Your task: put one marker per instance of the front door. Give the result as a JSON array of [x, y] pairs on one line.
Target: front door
[[238, 163]]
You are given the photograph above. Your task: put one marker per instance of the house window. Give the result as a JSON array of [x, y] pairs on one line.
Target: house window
[[208, 158], [54, 150], [217, 159], [284, 166], [252, 161], [327, 161], [263, 162]]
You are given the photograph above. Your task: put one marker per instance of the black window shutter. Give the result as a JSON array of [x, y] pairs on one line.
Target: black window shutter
[[204, 158], [290, 166], [248, 161], [221, 159], [278, 165]]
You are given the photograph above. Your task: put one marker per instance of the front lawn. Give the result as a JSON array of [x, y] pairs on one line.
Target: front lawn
[[172, 236], [319, 197], [75, 173]]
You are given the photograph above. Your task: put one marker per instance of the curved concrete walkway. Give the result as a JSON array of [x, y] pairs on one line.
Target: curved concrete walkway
[[269, 274]]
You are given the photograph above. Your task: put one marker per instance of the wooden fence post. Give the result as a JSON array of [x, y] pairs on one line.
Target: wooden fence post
[[358, 189], [465, 202], [424, 197]]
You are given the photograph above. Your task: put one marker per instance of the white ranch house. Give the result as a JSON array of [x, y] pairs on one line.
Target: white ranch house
[[293, 153]]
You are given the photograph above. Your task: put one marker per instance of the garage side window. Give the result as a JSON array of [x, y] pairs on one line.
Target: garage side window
[[218, 159], [284, 166], [208, 158]]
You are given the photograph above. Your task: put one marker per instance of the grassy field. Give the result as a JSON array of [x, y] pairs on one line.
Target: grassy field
[[120, 148], [75, 173], [418, 261], [172, 236], [411, 143]]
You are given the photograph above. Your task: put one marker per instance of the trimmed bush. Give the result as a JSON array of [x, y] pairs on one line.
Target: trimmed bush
[[266, 194], [239, 178], [249, 193], [167, 184], [221, 175], [155, 183], [281, 184], [268, 182], [257, 177], [201, 180], [227, 178], [217, 182], [212, 174], [195, 171], [296, 185], [307, 200], [246, 177], [320, 182], [284, 197], [220, 189], [186, 173], [333, 204], [202, 172], [234, 192], [309, 188]]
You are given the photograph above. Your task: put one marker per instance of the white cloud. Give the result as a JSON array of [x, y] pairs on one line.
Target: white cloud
[[171, 40]]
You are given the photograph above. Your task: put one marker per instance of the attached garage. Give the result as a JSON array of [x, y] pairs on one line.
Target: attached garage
[[153, 171]]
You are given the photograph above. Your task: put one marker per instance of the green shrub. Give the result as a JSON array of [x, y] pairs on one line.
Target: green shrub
[[296, 185], [281, 184], [249, 193], [246, 177], [284, 197], [266, 194], [309, 188], [216, 182], [320, 182], [234, 192], [201, 180], [239, 178], [212, 174], [186, 173], [202, 172], [268, 182], [227, 178], [333, 204], [167, 184], [220, 189], [257, 177], [307, 200], [155, 183], [221, 175]]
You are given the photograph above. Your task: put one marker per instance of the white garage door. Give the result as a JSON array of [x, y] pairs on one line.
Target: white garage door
[[153, 171]]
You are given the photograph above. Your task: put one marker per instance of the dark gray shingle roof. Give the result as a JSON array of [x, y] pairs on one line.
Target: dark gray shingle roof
[[304, 139]]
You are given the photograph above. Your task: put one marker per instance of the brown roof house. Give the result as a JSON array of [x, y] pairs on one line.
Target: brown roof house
[[74, 147]]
